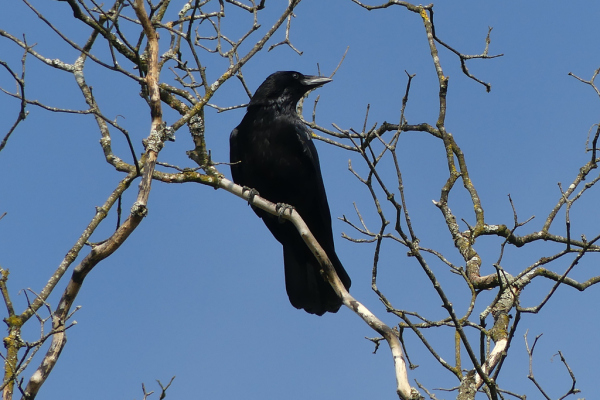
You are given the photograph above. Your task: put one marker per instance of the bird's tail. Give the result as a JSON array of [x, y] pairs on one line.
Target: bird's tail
[[305, 286]]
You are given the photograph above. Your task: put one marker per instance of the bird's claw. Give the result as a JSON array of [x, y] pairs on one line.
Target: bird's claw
[[281, 209], [252, 193]]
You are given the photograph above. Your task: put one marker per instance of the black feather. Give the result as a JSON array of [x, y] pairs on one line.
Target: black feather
[[272, 152]]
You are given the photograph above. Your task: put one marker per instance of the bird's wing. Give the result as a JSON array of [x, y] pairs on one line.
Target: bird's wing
[[318, 215], [311, 158]]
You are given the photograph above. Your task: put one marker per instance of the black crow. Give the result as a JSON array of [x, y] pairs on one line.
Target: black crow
[[272, 151]]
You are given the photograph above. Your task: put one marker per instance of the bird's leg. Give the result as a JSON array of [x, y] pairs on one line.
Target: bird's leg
[[281, 209], [253, 192]]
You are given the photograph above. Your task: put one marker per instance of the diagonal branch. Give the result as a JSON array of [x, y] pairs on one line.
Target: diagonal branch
[[403, 387]]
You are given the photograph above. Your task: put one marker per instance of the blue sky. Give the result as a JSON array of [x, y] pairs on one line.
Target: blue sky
[[197, 291]]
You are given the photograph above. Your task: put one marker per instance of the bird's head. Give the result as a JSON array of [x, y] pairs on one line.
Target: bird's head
[[285, 88]]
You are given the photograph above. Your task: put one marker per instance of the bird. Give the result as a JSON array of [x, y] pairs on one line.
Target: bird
[[271, 152]]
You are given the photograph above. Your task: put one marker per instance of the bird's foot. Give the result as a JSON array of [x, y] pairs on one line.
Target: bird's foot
[[281, 209], [253, 192]]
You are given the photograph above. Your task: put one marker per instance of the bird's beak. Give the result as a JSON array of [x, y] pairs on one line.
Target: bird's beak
[[315, 81]]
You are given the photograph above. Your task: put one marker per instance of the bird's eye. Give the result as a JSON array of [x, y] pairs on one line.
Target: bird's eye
[[296, 76]]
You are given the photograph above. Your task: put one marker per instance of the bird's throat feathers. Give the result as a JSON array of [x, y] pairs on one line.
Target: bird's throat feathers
[[282, 103]]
